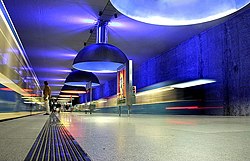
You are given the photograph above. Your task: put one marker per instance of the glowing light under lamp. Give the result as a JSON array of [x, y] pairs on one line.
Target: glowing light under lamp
[[178, 12], [80, 84], [97, 67]]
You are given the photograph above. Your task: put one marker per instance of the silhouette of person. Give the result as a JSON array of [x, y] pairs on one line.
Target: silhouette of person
[[46, 96]]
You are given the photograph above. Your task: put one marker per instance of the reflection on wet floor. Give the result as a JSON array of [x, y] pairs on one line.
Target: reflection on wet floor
[[154, 137]]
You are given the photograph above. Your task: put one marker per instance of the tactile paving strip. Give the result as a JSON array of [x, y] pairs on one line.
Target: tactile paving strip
[[55, 143]]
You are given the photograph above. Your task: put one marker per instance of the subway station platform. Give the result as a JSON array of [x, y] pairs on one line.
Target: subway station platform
[[138, 137], [183, 75]]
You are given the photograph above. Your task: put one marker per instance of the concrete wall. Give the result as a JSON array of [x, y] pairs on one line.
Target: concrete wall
[[237, 65], [221, 53]]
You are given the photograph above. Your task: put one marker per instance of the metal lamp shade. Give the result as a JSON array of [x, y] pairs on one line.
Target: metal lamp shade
[[81, 78], [73, 90], [99, 58]]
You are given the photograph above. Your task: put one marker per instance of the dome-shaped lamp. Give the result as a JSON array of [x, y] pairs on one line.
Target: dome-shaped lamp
[[73, 90], [177, 12], [100, 57], [81, 78]]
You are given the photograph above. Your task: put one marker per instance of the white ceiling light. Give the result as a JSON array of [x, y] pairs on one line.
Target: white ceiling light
[[177, 12]]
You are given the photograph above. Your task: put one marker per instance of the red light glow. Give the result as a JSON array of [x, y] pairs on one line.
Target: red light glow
[[182, 108], [27, 90], [30, 95], [192, 108], [6, 89]]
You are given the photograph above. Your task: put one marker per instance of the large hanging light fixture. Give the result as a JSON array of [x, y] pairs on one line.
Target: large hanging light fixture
[[100, 57], [177, 12], [81, 78]]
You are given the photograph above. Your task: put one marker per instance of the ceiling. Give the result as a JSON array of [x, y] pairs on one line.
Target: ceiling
[[52, 32]]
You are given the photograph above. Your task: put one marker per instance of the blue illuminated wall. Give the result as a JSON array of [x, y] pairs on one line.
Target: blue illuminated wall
[[106, 90], [221, 53]]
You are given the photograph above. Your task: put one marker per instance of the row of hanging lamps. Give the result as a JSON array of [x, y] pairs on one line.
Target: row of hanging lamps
[[100, 57], [71, 91]]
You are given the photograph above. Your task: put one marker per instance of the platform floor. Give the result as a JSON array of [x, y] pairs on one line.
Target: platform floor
[[108, 137], [160, 138], [18, 135]]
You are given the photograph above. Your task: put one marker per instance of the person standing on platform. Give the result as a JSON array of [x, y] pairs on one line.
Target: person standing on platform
[[46, 96]]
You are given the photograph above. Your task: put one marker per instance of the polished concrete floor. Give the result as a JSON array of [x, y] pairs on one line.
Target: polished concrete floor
[[108, 137], [160, 138], [18, 135]]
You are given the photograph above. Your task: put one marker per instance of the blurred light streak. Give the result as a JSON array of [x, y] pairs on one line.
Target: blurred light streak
[[27, 90], [56, 85], [153, 91], [193, 108], [65, 98], [52, 79], [182, 108], [165, 94], [10, 84], [30, 95], [55, 92], [102, 101], [193, 83], [29, 102], [17, 40], [73, 92], [68, 96], [5, 89]]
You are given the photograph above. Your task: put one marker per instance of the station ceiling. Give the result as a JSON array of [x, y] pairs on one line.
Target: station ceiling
[[53, 31]]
